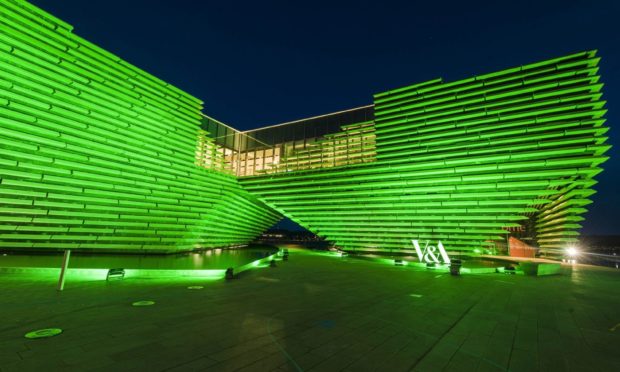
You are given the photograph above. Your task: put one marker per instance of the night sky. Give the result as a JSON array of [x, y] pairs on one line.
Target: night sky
[[258, 63]]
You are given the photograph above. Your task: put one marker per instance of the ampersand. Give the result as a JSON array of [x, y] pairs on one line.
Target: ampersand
[[431, 252]]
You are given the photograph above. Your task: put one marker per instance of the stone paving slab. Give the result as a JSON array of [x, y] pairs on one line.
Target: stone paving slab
[[317, 312]]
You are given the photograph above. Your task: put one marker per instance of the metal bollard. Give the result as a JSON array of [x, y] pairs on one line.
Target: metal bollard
[[63, 270], [230, 273]]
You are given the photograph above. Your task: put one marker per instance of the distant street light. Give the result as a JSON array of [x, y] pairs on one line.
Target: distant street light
[[572, 251]]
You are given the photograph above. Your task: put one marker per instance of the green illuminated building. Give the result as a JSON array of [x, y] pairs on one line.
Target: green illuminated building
[[97, 154]]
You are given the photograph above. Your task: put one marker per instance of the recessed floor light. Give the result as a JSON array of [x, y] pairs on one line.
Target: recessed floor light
[[43, 333], [143, 303]]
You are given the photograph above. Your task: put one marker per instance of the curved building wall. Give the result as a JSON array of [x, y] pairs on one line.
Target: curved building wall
[[97, 154], [466, 163]]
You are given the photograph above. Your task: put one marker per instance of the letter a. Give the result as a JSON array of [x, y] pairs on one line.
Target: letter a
[[444, 255]]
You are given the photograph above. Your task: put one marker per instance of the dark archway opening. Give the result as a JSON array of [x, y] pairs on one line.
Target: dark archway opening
[[287, 231]]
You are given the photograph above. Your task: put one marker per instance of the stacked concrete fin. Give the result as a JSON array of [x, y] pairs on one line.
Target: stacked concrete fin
[[97, 154], [467, 162]]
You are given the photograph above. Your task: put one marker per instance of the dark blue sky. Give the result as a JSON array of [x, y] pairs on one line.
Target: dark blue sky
[[258, 63]]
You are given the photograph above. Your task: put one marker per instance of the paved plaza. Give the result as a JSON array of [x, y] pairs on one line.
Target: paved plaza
[[317, 312]]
